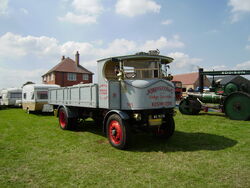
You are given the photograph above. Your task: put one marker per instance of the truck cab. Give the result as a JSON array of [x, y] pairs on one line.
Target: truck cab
[[135, 82]]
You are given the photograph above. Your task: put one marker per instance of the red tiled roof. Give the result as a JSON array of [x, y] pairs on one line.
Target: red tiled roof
[[186, 79], [68, 65]]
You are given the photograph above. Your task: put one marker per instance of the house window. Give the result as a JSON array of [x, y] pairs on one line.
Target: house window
[[85, 77], [72, 76]]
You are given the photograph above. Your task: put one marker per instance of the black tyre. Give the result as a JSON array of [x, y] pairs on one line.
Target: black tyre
[[190, 106], [237, 106], [166, 130], [118, 132], [65, 122]]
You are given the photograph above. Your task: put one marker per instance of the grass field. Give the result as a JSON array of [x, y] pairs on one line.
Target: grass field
[[205, 151]]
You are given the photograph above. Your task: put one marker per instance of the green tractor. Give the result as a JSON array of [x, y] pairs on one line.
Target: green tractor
[[233, 99]]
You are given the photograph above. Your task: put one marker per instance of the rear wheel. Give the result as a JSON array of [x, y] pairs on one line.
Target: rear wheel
[[166, 130], [237, 106], [118, 132], [190, 106], [65, 122]]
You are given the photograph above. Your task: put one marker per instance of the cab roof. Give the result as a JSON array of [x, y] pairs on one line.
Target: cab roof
[[140, 56]]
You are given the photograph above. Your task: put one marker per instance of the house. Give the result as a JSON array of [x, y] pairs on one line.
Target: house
[[68, 72], [190, 81]]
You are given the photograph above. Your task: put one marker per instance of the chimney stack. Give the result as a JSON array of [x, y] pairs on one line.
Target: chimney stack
[[77, 58], [63, 57]]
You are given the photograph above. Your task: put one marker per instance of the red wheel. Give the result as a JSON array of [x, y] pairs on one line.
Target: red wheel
[[62, 118], [65, 122], [115, 132], [118, 132]]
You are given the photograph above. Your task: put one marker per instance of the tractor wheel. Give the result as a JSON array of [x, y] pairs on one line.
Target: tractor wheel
[[190, 106], [237, 106], [118, 132], [166, 130], [65, 122]]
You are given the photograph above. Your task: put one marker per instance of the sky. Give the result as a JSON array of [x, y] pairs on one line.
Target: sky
[[35, 34]]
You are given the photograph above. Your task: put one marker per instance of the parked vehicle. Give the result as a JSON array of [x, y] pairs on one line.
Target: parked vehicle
[[178, 90], [35, 97], [233, 99], [11, 97], [131, 94]]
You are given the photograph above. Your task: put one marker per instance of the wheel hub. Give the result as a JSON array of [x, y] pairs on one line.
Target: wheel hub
[[237, 106], [114, 132]]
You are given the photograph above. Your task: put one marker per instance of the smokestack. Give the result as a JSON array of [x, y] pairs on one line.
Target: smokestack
[[63, 57], [77, 58]]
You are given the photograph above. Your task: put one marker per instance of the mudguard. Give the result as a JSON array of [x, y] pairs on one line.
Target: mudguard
[[122, 114], [71, 112]]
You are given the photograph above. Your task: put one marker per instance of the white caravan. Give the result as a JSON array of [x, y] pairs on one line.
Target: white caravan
[[35, 97], [11, 97]]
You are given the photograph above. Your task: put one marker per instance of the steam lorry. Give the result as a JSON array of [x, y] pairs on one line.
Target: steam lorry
[[132, 94]]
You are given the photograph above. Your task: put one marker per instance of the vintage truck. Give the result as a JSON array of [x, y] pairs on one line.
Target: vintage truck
[[133, 93]]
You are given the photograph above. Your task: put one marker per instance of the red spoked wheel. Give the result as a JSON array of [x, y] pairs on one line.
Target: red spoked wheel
[[118, 132], [65, 122], [62, 119], [115, 132]]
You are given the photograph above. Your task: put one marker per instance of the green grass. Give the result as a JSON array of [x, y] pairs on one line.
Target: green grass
[[205, 151]]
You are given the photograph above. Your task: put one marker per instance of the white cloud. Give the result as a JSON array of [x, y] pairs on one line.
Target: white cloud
[[39, 54], [22, 46], [4, 7], [239, 7], [248, 47], [162, 43], [17, 77], [244, 65], [78, 19], [133, 8], [87, 6], [24, 11], [183, 62], [167, 22], [84, 12], [46, 46]]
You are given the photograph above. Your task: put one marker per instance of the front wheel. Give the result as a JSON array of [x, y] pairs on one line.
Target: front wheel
[[118, 132], [166, 130]]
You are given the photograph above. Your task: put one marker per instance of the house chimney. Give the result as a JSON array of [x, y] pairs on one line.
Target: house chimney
[[63, 57], [77, 58]]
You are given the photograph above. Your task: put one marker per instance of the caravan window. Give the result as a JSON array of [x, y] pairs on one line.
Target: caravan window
[[42, 95], [24, 95], [16, 95]]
